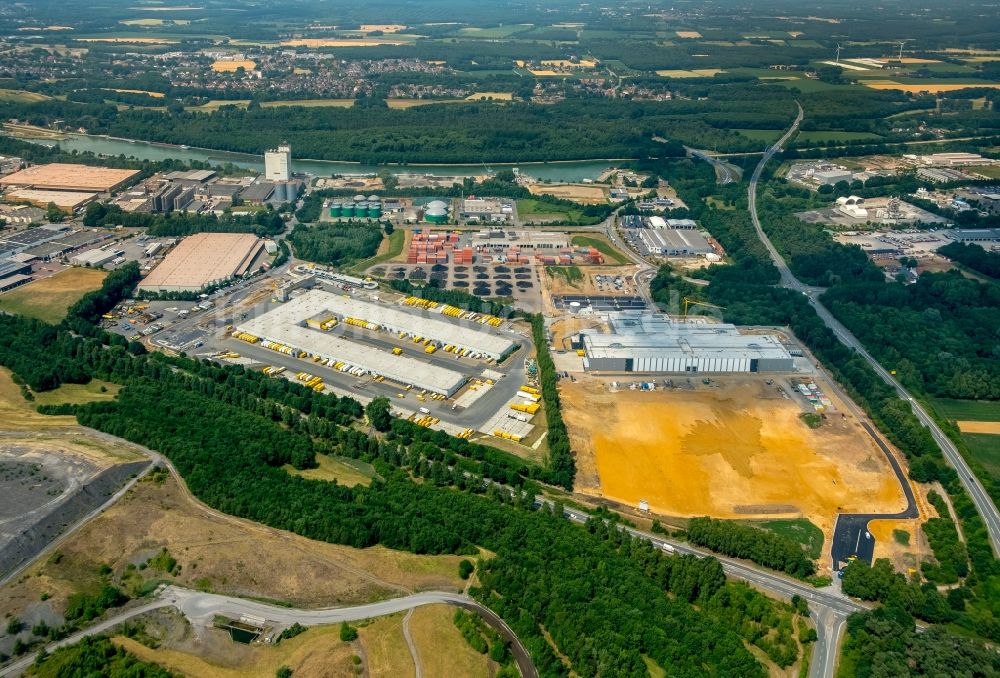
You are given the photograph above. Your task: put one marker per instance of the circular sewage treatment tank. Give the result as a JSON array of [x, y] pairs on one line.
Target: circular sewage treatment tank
[[348, 209]]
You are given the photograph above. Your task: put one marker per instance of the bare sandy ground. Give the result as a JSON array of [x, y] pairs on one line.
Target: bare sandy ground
[[735, 451]]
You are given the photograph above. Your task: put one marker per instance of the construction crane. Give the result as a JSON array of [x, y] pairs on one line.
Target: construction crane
[[694, 302]]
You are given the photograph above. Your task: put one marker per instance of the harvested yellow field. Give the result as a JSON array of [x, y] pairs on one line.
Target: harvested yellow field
[[737, 450], [544, 73], [324, 42], [155, 95], [910, 60], [137, 41], [990, 427], [410, 103], [583, 193], [566, 63], [495, 96], [230, 66], [385, 28], [932, 88], [696, 73], [690, 35]]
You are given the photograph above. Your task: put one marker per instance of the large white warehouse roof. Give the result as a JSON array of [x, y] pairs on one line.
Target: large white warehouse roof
[[283, 325], [429, 325]]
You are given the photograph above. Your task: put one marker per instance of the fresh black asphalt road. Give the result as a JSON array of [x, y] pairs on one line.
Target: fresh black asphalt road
[[851, 536]]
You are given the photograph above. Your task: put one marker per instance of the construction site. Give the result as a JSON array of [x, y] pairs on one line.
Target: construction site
[[735, 448]]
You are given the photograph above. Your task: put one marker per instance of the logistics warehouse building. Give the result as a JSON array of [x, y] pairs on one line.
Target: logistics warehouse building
[[68, 177], [204, 259], [287, 325], [655, 343], [429, 325]]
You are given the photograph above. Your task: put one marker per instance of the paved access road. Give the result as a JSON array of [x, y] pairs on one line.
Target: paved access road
[[984, 505], [201, 609]]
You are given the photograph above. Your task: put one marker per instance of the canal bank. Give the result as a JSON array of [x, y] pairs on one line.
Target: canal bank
[[562, 171]]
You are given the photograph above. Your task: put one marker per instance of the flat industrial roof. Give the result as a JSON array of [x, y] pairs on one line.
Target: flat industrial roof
[[67, 200], [676, 239], [283, 326], [68, 176], [651, 335], [429, 325], [202, 259]]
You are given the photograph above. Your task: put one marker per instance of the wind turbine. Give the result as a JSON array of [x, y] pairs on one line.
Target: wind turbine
[[838, 52]]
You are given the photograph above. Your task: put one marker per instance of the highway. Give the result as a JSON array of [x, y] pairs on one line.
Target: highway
[[201, 608], [984, 505]]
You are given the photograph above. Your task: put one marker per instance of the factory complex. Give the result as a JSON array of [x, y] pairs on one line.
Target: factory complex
[[204, 259], [648, 342], [305, 327]]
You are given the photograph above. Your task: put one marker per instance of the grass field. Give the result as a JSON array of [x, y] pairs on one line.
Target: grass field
[[79, 394], [764, 135], [227, 555], [385, 647], [968, 410], [985, 449], [817, 136], [801, 530], [610, 252], [390, 248], [16, 413], [571, 274], [349, 472], [442, 649], [528, 208], [49, 298], [21, 96]]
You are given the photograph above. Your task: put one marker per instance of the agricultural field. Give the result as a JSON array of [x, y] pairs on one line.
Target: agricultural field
[[490, 96], [324, 42], [310, 103], [820, 136], [979, 423], [49, 298], [698, 73], [231, 66], [931, 87], [736, 450], [21, 96]]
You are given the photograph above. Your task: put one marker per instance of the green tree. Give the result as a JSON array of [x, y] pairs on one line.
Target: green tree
[[53, 213], [348, 632], [379, 413]]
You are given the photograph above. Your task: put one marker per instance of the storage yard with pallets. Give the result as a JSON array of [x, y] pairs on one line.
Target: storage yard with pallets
[[734, 448]]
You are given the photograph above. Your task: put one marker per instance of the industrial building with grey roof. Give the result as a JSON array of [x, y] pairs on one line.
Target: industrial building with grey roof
[[648, 342]]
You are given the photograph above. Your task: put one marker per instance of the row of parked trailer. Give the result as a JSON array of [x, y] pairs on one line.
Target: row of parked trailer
[[453, 312], [311, 381]]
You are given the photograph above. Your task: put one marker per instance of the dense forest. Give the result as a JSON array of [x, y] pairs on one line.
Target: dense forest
[[610, 585], [336, 243], [264, 223], [973, 256], [940, 334], [96, 656], [760, 546]]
